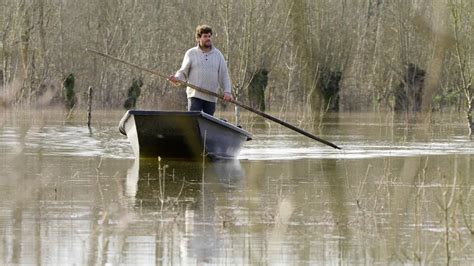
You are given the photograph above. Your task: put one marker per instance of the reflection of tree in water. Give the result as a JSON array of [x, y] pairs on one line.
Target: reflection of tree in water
[[165, 186]]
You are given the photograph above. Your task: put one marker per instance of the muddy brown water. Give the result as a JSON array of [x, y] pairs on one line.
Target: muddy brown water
[[400, 191]]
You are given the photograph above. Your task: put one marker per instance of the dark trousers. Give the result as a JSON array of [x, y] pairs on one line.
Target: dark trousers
[[196, 104]]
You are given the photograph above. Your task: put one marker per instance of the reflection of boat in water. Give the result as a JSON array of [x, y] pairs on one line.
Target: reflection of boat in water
[[186, 196], [181, 135], [149, 181]]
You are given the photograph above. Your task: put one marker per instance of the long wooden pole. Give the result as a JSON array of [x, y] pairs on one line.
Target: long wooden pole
[[260, 113]]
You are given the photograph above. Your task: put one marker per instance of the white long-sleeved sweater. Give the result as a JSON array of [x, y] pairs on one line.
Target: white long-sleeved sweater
[[205, 70]]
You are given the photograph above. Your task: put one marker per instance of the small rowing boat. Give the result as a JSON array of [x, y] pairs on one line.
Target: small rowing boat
[[181, 135]]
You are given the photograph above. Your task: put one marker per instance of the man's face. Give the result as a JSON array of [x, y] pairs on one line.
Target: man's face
[[205, 40]]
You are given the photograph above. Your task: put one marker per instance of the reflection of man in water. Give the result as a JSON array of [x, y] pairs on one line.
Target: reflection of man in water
[[210, 216], [205, 67], [196, 201]]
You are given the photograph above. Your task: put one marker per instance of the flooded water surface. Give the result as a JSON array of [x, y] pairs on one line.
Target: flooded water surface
[[399, 191]]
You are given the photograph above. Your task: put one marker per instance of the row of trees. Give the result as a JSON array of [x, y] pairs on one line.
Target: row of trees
[[356, 51]]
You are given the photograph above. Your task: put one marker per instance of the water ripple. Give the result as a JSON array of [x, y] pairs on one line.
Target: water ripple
[[290, 147], [65, 141], [107, 142]]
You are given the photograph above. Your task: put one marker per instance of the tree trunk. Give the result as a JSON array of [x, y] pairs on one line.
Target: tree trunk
[[24, 16]]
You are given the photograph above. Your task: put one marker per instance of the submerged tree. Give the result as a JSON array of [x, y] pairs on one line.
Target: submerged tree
[[133, 93], [329, 84], [256, 89], [408, 95], [69, 94]]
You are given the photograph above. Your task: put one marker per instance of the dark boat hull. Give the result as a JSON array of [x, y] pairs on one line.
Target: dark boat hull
[[181, 135]]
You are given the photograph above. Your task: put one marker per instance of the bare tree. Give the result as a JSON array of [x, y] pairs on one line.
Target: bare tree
[[7, 20], [461, 12], [363, 47]]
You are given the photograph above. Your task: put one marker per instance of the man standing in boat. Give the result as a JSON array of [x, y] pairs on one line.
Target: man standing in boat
[[205, 67]]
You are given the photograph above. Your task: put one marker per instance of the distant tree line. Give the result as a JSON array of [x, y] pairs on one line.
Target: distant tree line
[[298, 55]]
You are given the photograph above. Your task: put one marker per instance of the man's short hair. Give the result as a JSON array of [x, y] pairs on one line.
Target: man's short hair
[[201, 29]]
